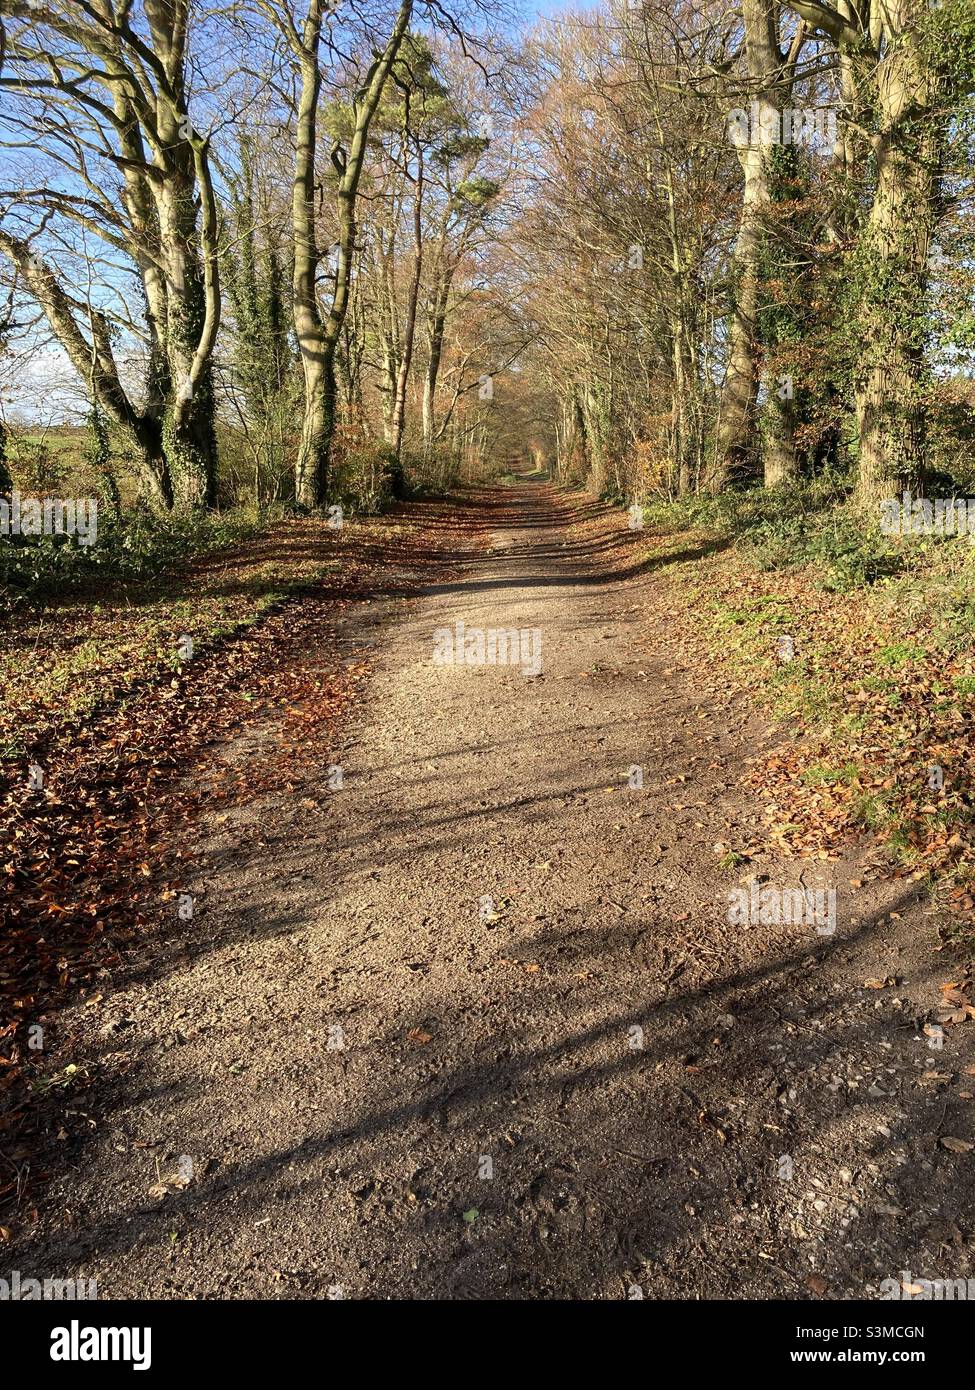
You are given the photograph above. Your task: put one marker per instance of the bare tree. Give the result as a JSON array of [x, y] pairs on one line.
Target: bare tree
[[100, 89], [318, 333], [770, 71]]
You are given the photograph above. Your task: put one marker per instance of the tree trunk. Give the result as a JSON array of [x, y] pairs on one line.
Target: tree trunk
[[96, 365], [409, 336], [779, 454], [438, 320], [311, 472], [188, 435], [310, 464], [893, 267], [6, 482], [186, 215], [388, 329], [598, 462], [889, 64], [770, 76], [736, 413]]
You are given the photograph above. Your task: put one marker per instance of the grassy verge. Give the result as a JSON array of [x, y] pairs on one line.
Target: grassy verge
[[864, 647], [65, 656]]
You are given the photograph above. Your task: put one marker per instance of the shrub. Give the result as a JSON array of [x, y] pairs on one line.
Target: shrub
[[138, 545]]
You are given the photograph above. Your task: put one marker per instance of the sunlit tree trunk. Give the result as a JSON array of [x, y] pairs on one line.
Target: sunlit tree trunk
[[319, 341], [437, 324], [779, 454], [309, 330], [893, 270], [409, 330], [881, 41], [769, 73]]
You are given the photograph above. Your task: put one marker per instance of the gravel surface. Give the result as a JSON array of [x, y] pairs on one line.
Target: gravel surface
[[476, 1023]]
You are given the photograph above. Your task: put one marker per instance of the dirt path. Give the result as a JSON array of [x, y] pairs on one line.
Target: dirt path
[[476, 1024]]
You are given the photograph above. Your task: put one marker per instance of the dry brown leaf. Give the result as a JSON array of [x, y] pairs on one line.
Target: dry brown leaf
[[954, 1145], [176, 1182]]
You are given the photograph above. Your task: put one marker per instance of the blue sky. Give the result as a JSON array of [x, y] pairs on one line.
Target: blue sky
[[546, 7]]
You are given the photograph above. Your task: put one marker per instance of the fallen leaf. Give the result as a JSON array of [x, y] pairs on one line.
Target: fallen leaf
[[956, 1146]]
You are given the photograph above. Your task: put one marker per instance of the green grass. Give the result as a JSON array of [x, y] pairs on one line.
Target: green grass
[[822, 776]]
